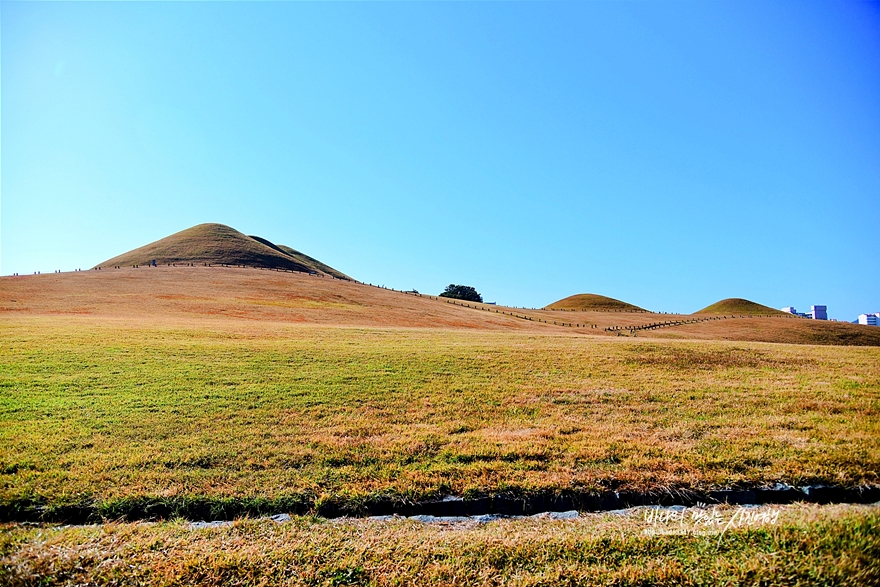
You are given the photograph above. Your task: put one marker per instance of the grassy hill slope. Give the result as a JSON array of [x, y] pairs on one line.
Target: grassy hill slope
[[306, 260], [231, 295], [218, 244], [225, 296], [739, 306], [592, 302]]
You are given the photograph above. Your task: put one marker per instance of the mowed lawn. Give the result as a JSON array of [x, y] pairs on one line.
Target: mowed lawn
[[101, 410]]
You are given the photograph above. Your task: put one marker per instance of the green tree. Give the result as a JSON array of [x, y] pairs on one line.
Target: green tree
[[461, 292]]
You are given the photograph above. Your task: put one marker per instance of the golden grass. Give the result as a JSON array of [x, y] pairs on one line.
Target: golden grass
[[177, 295], [794, 545], [213, 384], [204, 295], [101, 410]]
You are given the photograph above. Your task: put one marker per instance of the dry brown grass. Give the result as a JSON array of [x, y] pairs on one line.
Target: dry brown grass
[[592, 302], [218, 244], [169, 295], [174, 294], [795, 545], [740, 306]]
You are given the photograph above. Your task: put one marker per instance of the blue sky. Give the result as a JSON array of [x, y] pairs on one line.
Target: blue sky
[[669, 154]]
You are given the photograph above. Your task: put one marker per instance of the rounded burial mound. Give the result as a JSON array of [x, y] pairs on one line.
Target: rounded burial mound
[[218, 244], [739, 306], [592, 302]]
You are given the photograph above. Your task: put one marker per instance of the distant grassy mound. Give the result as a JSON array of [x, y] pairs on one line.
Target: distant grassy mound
[[739, 306], [218, 244], [592, 302]]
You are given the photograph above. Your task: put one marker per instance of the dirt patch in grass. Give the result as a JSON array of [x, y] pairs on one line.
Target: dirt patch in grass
[[681, 357]]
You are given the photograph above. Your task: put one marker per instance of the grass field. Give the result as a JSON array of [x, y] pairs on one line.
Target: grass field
[[92, 411], [201, 389], [795, 545]]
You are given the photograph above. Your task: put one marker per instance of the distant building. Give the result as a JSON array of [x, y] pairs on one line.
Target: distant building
[[815, 313], [870, 319]]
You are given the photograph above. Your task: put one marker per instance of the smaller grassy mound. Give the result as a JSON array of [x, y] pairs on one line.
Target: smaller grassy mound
[[593, 302], [739, 306]]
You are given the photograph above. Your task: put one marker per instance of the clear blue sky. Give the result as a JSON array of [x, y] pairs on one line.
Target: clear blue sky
[[669, 154]]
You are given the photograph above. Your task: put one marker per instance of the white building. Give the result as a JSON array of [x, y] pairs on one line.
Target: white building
[[816, 312], [870, 319]]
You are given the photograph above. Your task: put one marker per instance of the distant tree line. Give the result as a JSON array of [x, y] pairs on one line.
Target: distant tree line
[[462, 292]]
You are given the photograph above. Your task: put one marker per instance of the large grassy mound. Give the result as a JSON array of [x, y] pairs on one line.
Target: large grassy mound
[[218, 244], [739, 306], [592, 302]]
